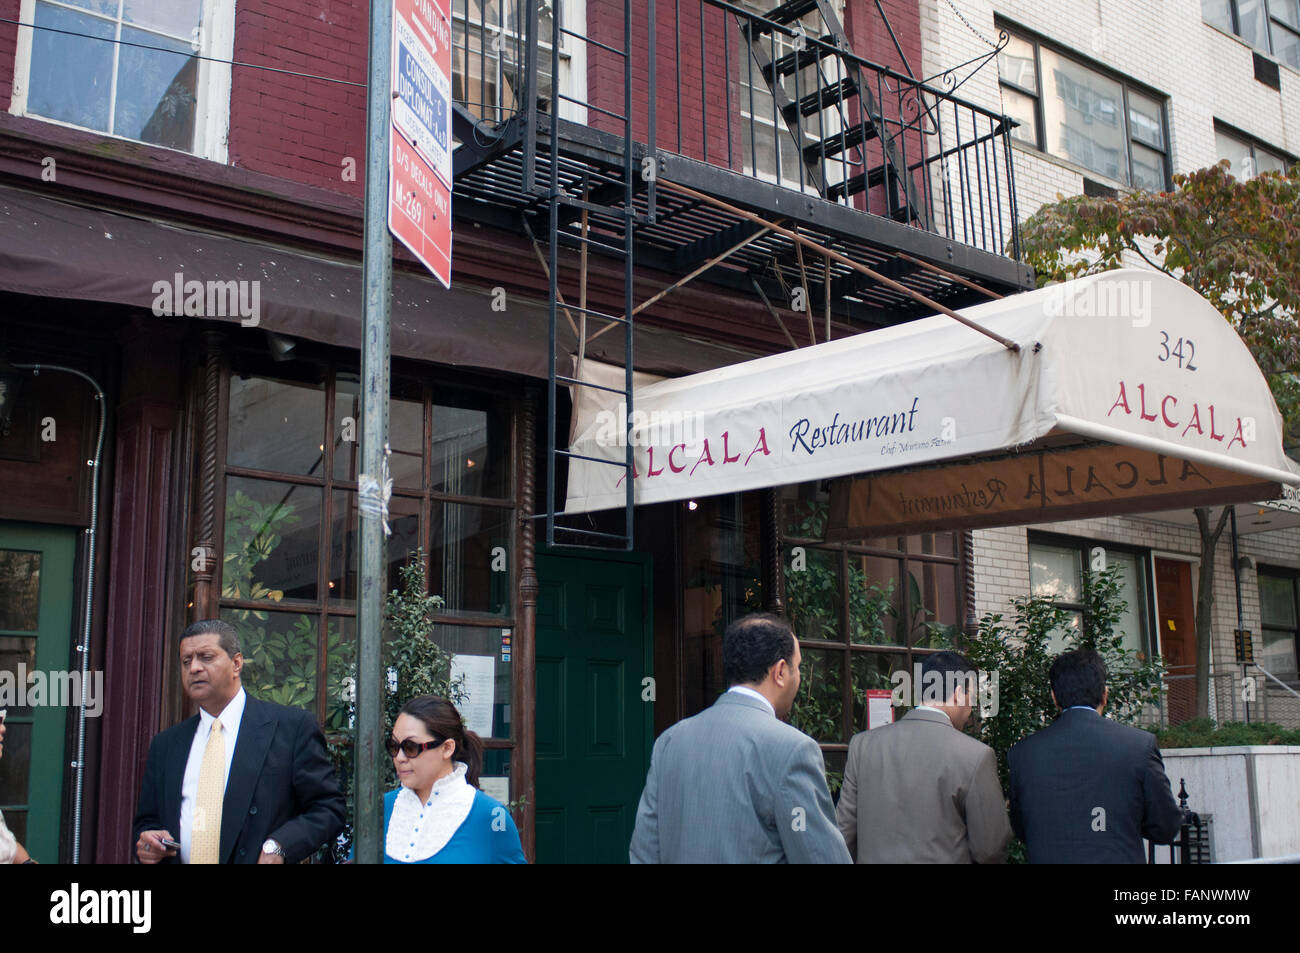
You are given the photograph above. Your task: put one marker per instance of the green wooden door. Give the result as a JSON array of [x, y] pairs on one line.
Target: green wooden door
[[595, 714], [36, 590]]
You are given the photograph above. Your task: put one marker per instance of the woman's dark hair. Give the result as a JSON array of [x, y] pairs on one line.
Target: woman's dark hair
[[442, 720]]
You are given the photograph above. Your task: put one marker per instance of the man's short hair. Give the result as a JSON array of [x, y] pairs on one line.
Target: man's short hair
[[1078, 678], [954, 669], [226, 635], [752, 645]]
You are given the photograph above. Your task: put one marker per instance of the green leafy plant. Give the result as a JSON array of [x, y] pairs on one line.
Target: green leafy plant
[[1205, 733], [415, 665], [253, 531]]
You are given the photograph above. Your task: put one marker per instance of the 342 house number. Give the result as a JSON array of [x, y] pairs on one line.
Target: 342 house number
[[1166, 352]]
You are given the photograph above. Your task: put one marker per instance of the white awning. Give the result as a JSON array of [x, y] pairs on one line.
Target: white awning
[[1129, 393]]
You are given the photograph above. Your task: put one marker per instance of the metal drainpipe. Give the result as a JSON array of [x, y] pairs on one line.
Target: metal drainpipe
[[84, 648]]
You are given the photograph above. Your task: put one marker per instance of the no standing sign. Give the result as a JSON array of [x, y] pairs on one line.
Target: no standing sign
[[419, 164]]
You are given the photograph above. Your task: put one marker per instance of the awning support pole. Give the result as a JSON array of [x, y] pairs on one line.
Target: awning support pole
[[772, 311], [844, 260], [807, 298]]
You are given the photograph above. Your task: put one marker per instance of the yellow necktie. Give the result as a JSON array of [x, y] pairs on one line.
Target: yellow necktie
[[205, 840]]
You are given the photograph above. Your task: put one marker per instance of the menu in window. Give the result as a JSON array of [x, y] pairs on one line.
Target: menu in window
[[478, 674]]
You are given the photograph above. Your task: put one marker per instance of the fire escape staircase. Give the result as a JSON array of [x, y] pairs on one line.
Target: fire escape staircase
[[841, 90]]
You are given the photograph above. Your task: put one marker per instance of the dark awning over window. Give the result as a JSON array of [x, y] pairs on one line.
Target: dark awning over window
[[54, 249]]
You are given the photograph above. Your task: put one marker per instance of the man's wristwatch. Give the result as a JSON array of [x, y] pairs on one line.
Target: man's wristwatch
[[272, 847]]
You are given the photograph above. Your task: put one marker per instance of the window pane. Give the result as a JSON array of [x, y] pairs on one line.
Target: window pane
[[71, 76], [157, 96], [876, 600], [1267, 162], [405, 433], [872, 671], [14, 652], [812, 592], [1288, 11], [1286, 45], [1021, 108], [1016, 64], [1084, 116], [403, 520], [1253, 19], [1132, 592], [1054, 573], [479, 641], [1148, 169], [1237, 152], [1278, 655], [1145, 120], [1276, 601], [1217, 13], [819, 707], [471, 451], [17, 764], [1056, 643], [939, 544], [933, 594], [177, 17], [272, 540], [276, 425], [340, 672], [279, 655], [471, 558], [20, 590]]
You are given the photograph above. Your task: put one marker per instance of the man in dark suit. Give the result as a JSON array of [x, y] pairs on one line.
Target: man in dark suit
[[735, 784], [243, 781], [1085, 790]]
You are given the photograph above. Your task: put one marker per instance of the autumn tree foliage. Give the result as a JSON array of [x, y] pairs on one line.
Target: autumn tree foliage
[[1237, 243]]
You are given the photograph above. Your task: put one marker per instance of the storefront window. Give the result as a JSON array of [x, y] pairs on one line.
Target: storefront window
[[290, 555], [862, 611]]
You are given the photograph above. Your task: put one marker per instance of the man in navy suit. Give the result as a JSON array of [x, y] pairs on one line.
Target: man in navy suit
[[243, 781], [1086, 790]]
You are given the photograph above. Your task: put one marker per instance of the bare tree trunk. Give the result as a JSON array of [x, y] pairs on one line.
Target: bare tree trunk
[[1205, 605]]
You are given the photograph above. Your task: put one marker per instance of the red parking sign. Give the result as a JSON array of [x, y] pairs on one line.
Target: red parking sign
[[419, 161]]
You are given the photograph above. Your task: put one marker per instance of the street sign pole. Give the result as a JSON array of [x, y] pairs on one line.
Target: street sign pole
[[377, 263]]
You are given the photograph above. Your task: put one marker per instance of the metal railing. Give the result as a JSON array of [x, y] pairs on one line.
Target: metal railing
[[1193, 845], [764, 99]]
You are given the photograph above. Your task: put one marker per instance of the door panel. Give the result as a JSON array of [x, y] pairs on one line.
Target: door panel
[[1176, 612], [593, 729], [36, 591]]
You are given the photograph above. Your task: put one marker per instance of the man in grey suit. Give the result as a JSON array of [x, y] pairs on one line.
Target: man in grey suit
[[733, 784], [921, 792], [1086, 790]]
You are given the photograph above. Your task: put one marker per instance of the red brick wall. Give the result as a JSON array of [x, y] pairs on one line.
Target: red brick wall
[[682, 71], [292, 126], [9, 9]]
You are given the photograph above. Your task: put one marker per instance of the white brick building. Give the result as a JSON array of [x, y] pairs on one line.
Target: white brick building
[[1154, 84]]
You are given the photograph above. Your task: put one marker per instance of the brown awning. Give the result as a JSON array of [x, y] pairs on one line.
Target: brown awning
[[55, 249]]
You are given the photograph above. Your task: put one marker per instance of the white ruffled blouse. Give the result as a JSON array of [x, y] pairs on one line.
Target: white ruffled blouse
[[418, 831], [8, 844]]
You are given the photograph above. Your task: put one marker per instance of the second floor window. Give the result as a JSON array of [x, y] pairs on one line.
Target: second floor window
[[1084, 115], [1269, 25], [1247, 158], [138, 69]]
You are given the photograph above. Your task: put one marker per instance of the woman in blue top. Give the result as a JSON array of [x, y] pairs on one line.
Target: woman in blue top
[[438, 815]]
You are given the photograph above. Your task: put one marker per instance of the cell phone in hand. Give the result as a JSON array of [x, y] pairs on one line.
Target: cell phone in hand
[[170, 844], [3, 712]]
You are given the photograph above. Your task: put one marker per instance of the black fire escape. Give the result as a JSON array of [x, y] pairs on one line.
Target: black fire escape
[[801, 165]]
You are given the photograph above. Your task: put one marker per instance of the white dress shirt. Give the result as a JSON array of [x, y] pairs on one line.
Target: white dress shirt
[[231, 716], [746, 690], [8, 845], [933, 709]]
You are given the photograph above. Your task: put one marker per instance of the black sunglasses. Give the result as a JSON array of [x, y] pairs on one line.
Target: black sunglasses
[[412, 749]]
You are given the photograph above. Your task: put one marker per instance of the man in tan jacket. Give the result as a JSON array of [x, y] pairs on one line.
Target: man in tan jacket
[[921, 792]]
